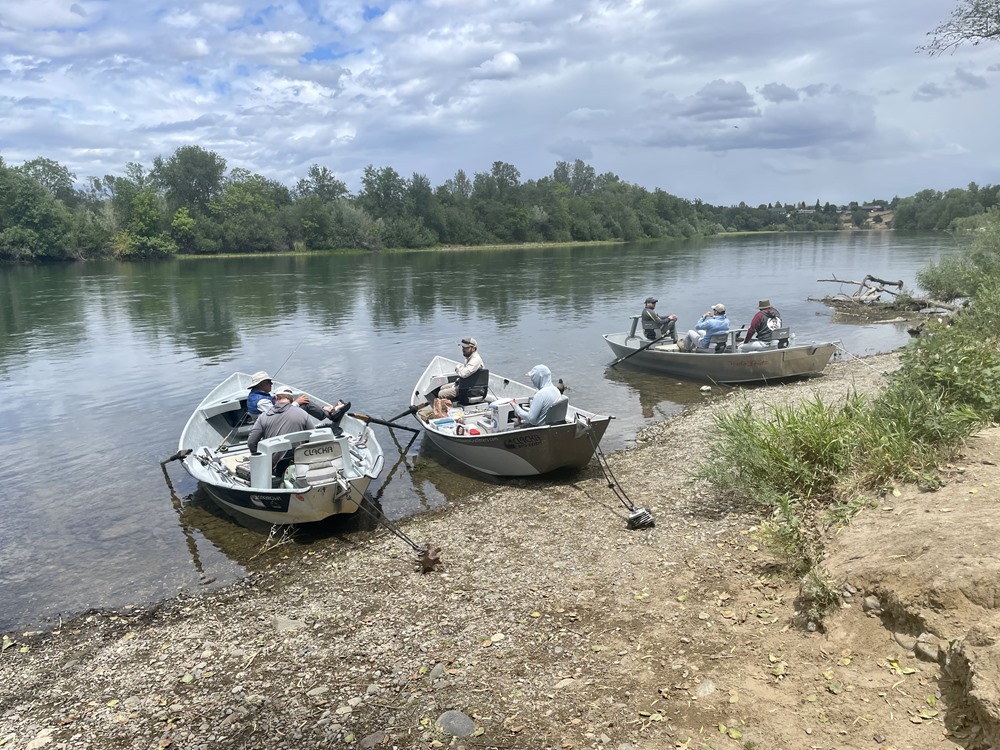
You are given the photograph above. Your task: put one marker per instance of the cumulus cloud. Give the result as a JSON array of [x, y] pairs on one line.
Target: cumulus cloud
[[778, 92], [501, 65], [719, 100]]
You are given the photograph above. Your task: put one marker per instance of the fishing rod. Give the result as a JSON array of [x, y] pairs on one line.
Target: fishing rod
[[222, 445]]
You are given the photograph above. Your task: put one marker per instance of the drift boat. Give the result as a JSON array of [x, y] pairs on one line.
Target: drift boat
[[330, 473], [724, 362], [483, 433]]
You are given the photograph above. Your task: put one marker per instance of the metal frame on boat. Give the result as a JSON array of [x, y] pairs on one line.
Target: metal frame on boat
[[329, 475], [484, 435], [724, 363]]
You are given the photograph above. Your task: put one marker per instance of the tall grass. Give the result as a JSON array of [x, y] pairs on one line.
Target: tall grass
[[796, 461]]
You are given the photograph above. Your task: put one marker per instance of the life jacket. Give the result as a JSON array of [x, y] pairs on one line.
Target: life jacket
[[770, 321]]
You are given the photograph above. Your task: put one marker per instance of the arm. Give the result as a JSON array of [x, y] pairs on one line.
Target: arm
[[753, 327], [521, 413], [256, 433]]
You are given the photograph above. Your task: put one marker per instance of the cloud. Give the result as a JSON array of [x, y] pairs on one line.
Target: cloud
[[501, 65], [778, 92], [971, 80], [719, 100], [694, 91], [928, 92]]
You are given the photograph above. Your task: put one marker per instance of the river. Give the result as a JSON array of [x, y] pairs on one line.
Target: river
[[101, 364]]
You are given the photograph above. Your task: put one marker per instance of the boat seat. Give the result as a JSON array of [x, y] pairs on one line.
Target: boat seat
[[473, 389], [780, 335], [557, 412], [718, 342]]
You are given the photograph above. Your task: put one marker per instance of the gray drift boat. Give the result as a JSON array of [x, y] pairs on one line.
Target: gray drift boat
[[724, 363], [329, 474], [482, 432]]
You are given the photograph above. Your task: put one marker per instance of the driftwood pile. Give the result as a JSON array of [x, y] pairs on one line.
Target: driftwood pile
[[871, 288]]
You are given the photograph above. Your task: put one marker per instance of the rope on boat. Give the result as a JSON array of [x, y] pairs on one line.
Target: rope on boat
[[427, 557], [638, 518]]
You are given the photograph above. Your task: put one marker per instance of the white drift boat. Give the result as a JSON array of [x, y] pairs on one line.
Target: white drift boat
[[483, 434], [329, 473]]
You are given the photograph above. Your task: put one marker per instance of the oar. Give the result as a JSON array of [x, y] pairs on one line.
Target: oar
[[411, 410], [387, 422], [641, 348]]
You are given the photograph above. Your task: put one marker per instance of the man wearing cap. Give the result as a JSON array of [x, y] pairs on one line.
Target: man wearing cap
[[712, 322], [283, 417], [259, 401], [764, 323], [655, 327], [473, 363]]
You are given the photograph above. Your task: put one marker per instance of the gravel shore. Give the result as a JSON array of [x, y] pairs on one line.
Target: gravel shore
[[549, 625]]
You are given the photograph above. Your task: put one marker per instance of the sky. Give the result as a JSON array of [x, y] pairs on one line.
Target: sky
[[718, 100]]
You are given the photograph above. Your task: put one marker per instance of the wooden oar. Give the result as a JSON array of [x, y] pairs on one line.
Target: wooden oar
[[387, 422], [411, 410]]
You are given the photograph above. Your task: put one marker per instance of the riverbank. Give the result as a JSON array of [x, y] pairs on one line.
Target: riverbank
[[550, 625]]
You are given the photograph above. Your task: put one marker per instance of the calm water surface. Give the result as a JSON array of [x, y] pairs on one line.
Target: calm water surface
[[102, 363]]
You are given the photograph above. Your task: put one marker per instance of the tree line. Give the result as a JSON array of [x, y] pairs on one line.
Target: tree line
[[191, 203]]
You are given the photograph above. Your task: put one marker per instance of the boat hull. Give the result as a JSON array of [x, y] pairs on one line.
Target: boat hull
[[525, 452], [728, 367], [511, 451]]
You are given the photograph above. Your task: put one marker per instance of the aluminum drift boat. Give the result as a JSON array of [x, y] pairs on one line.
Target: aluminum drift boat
[[724, 363], [329, 475], [484, 435]]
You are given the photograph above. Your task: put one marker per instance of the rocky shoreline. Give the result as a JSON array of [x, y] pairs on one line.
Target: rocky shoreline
[[551, 625]]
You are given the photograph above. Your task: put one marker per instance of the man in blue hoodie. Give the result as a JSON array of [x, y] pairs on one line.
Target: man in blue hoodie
[[712, 322], [543, 401]]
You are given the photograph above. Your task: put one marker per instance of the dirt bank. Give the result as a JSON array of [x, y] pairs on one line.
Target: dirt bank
[[553, 626]]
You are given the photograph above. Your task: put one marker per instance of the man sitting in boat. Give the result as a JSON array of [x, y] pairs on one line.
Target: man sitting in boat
[[473, 363], [766, 321], [260, 401], [655, 327], [712, 322], [280, 419], [542, 402]]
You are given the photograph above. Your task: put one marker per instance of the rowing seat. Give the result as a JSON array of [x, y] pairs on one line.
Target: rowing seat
[[718, 342], [557, 412], [780, 335], [473, 389]]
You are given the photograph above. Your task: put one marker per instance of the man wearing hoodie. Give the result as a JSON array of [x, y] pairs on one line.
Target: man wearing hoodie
[[547, 396]]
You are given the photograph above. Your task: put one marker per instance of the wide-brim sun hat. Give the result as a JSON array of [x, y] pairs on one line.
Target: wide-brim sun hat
[[763, 303], [258, 377]]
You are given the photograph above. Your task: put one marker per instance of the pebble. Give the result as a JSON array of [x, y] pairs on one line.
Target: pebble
[[456, 723], [872, 605]]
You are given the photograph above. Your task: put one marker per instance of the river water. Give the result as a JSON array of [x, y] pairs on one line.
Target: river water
[[102, 363]]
